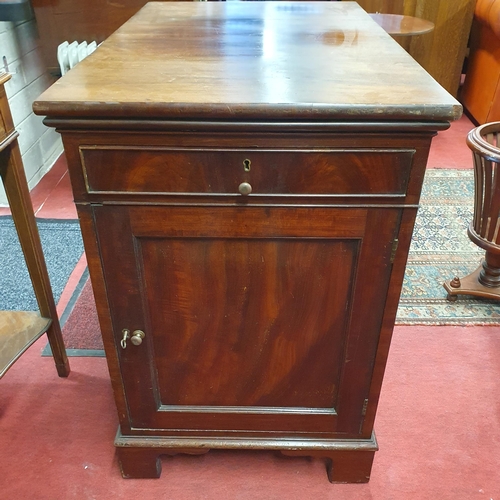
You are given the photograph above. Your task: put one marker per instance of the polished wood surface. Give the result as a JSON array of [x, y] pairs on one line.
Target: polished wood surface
[[16, 188], [267, 313], [399, 25], [143, 170], [249, 59], [223, 315]]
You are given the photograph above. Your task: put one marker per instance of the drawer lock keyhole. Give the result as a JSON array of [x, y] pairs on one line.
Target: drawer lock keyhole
[[246, 165]]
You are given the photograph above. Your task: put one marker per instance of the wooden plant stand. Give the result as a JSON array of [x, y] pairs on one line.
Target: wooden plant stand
[[484, 230]]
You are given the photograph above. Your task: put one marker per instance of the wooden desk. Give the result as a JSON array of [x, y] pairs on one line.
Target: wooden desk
[[247, 177], [19, 329]]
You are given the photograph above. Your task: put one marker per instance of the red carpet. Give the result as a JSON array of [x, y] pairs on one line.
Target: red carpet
[[438, 428], [81, 329]]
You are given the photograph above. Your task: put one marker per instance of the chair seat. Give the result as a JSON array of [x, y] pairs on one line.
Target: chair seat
[[18, 330]]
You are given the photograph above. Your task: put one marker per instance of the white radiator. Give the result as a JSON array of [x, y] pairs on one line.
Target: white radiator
[[70, 54]]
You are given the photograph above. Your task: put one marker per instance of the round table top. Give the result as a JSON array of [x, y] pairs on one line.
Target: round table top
[[399, 25]]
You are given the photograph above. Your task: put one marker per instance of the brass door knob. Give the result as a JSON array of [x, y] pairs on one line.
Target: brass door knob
[[245, 188], [137, 336]]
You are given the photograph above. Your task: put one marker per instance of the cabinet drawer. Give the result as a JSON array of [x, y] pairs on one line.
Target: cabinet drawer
[[270, 172]]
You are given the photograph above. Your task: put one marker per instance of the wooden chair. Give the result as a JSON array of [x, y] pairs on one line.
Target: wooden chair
[[19, 329], [484, 230]]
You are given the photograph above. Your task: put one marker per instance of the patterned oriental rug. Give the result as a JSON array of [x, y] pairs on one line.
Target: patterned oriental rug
[[440, 250]]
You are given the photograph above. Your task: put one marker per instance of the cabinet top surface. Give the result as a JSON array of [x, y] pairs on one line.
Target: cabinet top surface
[[250, 60]]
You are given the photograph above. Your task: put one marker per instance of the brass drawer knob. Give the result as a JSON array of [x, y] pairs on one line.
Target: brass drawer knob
[[245, 188]]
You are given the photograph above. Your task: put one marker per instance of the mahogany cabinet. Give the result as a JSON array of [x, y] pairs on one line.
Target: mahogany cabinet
[[247, 206]]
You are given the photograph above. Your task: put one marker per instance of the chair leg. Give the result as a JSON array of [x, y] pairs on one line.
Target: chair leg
[[16, 188]]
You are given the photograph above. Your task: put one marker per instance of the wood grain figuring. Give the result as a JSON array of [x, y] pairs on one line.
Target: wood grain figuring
[[248, 60], [248, 222], [267, 317], [269, 172], [342, 137], [155, 228], [225, 326]]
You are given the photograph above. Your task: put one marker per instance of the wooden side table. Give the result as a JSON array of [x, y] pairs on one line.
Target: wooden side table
[[19, 329], [398, 25]]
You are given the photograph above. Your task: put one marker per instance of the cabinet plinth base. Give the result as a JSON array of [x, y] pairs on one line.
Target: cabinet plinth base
[[348, 460], [341, 466], [139, 463]]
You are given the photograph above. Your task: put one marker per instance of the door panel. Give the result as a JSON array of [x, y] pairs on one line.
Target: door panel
[[225, 315], [260, 327]]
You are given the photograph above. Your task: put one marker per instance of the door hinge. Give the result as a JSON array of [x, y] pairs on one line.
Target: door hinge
[[395, 244], [365, 406]]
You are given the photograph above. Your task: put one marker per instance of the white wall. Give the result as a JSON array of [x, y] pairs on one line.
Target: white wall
[[40, 146]]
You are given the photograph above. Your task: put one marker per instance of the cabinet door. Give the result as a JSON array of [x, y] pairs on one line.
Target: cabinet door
[[255, 319]]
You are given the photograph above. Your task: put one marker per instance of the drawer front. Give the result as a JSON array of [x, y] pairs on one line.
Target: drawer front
[[270, 172]]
